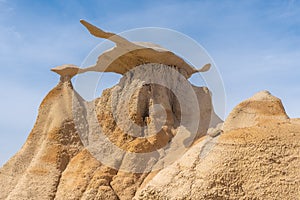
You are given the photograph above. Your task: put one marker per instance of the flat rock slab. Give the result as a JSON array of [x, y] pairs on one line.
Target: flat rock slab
[[66, 70]]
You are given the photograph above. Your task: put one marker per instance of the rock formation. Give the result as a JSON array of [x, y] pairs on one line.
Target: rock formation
[[254, 156]]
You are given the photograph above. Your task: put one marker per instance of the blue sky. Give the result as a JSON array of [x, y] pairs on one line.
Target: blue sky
[[255, 44]]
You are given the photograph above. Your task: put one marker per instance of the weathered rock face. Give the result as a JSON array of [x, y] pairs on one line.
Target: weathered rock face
[[54, 164], [143, 116], [149, 111], [259, 160]]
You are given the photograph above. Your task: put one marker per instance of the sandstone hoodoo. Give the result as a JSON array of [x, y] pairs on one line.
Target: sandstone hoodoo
[[56, 162], [150, 117]]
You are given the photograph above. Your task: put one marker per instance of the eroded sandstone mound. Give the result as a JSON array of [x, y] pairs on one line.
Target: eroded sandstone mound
[[256, 158]]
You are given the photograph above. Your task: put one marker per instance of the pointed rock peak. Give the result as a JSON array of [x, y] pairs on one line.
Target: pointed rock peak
[[263, 96], [260, 108], [66, 72]]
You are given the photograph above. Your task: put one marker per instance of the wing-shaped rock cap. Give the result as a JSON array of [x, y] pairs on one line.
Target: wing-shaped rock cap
[[126, 55]]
